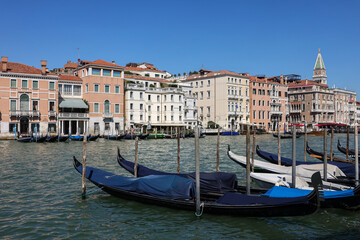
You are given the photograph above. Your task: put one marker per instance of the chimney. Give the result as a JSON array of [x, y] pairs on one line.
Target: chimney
[[113, 61], [281, 79], [4, 61], [286, 82], [43, 67]]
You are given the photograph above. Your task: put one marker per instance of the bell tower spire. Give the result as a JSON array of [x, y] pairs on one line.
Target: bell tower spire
[[320, 70]]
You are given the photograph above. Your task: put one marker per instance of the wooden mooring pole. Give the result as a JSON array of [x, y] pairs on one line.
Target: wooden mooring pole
[[293, 156], [248, 159], [356, 143], [217, 151], [83, 185], [305, 140], [253, 151], [178, 150], [325, 154], [136, 156], [197, 171], [347, 143], [279, 145], [331, 144]]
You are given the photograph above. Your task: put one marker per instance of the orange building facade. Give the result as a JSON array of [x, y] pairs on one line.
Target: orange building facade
[[103, 84], [28, 99]]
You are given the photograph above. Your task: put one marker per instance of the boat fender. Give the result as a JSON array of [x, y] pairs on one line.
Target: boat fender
[[201, 210]]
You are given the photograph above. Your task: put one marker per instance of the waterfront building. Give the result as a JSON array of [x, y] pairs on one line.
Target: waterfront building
[[28, 99], [190, 106], [153, 103], [357, 117], [146, 70], [73, 113], [103, 90], [222, 97], [344, 106], [268, 103]]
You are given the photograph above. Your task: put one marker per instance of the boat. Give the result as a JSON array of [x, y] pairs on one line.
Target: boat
[[303, 171], [63, 138], [320, 155], [24, 139], [342, 149], [121, 136], [52, 139], [179, 192], [143, 136], [76, 138], [218, 182], [316, 133], [229, 133], [156, 135], [39, 139], [346, 168], [284, 136], [92, 138]]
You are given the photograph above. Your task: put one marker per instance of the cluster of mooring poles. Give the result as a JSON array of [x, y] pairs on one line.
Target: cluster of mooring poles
[[197, 159]]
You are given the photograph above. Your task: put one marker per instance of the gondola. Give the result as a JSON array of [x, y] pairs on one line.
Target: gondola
[[63, 138], [346, 168], [343, 150], [285, 136], [52, 139], [24, 139], [39, 139], [218, 182], [120, 136], [132, 136], [346, 199], [180, 194], [144, 136], [303, 171], [92, 138], [111, 137], [229, 133], [156, 136], [320, 155], [76, 138]]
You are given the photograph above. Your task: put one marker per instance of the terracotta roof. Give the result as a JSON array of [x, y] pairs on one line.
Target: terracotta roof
[[142, 69], [214, 73], [71, 65], [70, 78], [22, 68], [303, 83], [147, 78], [101, 62]]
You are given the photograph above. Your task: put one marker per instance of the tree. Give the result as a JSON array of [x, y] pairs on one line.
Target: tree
[[212, 125]]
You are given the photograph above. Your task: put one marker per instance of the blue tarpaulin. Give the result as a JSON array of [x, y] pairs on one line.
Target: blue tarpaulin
[[165, 186], [293, 192]]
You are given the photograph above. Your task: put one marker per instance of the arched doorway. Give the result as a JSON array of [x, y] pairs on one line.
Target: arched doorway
[[24, 125]]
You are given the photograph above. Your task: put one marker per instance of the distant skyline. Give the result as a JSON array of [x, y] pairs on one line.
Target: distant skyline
[[258, 37]]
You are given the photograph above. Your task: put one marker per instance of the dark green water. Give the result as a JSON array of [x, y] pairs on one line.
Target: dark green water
[[40, 195]]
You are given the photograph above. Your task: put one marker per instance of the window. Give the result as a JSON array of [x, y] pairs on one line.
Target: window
[[172, 118], [149, 97], [12, 127], [259, 114], [77, 90], [158, 108], [117, 89], [116, 74], [52, 127], [117, 126], [60, 88], [254, 114], [86, 87], [51, 106], [13, 105], [24, 102], [165, 108], [95, 71], [52, 85], [106, 72], [141, 117], [132, 106], [107, 126], [149, 118], [132, 95], [107, 88], [196, 84], [208, 94], [96, 107], [158, 118], [201, 95], [254, 103], [172, 98], [279, 93], [158, 98], [201, 84], [180, 118], [141, 106], [24, 84], [164, 118], [35, 84], [179, 108], [259, 91], [259, 102], [96, 87], [254, 91], [35, 105], [117, 108], [208, 83], [13, 83], [172, 108], [106, 106], [179, 98], [96, 127], [164, 97], [149, 108]]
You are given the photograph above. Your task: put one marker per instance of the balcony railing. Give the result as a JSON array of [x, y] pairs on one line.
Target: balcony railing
[[24, 113], [233, 96], [73, 115], [107, 115], [295, 110], [52, 113]]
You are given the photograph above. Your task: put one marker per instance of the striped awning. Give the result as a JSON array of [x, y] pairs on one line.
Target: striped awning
[[73, 103]]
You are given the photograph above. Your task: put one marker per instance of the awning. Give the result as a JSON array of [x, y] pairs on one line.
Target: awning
[[73, 103]]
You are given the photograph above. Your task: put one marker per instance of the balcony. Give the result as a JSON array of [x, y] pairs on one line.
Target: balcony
[[52, 113], [295, 110], [318, 110], [276, 112], [24, 113], [233, 97], [107, 115], [73, 115]]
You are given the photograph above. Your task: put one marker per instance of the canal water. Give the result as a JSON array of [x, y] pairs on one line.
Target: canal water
[[40, 194]]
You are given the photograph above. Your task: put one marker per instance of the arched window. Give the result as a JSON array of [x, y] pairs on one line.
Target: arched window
[[24, 102], [106, 106]]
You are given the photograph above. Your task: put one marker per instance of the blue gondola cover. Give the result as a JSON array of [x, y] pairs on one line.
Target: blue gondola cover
[[293, 192]]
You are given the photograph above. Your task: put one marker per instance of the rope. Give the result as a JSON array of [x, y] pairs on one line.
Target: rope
[[92, 191], [201, 211]]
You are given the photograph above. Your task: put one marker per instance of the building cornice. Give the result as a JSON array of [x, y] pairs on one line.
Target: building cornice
[[32, 76]]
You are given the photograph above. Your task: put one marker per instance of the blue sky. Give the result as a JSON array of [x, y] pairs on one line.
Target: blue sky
[[259, 37]]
